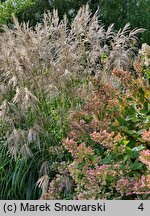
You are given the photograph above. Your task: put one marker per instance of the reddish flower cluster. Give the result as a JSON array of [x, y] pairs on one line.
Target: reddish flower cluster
[[104, 138], [134, 186], [146, 135], [145, 157], [70, 145], [138, 66], [124, 76], [122, 185]]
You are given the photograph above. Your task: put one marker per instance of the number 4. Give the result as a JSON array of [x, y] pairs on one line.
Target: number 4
[[141, 207]]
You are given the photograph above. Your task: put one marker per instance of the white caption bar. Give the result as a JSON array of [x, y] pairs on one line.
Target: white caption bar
[[74, 207]]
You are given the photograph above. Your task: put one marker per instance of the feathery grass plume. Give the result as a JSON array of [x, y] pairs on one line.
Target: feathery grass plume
[[33, 135], [36, 57], [43, 184], [44, 170], [16, 143], [26, 151], [25, 98], [3, 109]]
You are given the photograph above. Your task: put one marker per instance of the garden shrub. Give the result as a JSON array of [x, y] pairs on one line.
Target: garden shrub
[[110, 139]]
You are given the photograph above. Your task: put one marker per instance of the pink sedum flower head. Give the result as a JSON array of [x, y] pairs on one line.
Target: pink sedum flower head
[[145, 157], [146, 135]]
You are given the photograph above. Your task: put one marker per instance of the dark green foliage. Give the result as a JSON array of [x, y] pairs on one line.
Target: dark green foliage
[[137, 12], [120, 12], [11, 7]]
